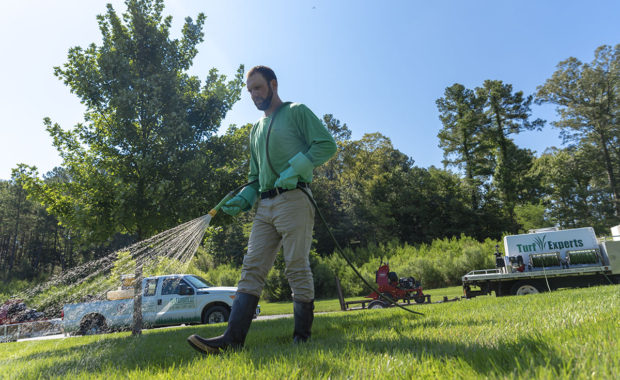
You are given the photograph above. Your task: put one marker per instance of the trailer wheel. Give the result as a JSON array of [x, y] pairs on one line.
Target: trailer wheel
[[377, 304], [523, 288], [419, 299], [93, 324], [215, 314]]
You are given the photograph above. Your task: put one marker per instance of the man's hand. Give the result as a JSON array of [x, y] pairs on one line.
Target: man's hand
[[288, 179], [301, 166], [235, 206]]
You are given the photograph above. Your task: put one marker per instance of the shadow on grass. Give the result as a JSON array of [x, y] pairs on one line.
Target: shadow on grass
[[158, 350], [503, 359], [154, 349]]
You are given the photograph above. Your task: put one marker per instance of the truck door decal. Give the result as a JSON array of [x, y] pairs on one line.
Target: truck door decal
[[175, 308]]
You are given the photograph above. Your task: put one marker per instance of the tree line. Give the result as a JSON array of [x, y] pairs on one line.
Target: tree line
[[147, 158]]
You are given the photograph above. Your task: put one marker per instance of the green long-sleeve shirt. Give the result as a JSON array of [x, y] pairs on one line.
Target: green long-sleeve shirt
[[295, 129]]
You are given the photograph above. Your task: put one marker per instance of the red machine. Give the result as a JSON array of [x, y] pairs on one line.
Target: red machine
[[392, 287], [15, 311]]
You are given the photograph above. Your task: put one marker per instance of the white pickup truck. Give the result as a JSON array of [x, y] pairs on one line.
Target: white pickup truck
[[166, 300]]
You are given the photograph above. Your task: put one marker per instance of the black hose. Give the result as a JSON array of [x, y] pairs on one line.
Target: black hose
[[237, 189], [346, 258], [316, 207], [273, 117]]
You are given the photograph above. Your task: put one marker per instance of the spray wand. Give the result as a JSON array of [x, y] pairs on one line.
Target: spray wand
[[228, 197]]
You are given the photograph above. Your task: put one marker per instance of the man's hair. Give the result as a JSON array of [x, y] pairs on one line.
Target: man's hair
[[265, 71]]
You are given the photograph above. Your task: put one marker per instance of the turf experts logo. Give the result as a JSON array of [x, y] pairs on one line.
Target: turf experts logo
[[541, 244]]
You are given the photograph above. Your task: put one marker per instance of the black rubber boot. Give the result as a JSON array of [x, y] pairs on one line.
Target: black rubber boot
[[243, 310], [304, 315]]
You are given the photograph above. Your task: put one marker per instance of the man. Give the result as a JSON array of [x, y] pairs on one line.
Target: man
[[500, 264], [285, 146]]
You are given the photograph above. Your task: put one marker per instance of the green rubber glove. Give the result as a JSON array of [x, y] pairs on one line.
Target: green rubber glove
[[301, 167], [235, 205], [288, 179]]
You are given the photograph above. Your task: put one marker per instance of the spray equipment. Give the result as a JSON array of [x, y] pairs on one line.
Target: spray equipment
[[217, 208], [228, 197]]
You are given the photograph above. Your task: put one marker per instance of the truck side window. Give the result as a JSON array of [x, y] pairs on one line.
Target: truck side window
[[151, 287], [170, 286]]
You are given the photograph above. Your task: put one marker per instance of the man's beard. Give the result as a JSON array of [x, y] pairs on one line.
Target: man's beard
[[264, 105]]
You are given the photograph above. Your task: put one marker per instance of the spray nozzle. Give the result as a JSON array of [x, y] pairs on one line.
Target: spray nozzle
[[228, 196], [215, 209]]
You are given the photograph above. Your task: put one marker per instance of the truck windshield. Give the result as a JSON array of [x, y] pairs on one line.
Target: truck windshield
[[198, 282]]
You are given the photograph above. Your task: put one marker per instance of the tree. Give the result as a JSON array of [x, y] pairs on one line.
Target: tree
[[372, 175], [507, 113], [587, 98], [31, 242], [462, 137], [329, 189], [572, 190], [19, 205], [340, 132], [531, 216], [143, 159]]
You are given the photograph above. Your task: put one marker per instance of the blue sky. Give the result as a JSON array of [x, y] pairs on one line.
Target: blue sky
[[377, 66]]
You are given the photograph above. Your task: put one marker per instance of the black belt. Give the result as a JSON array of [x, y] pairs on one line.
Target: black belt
[[278, 190]]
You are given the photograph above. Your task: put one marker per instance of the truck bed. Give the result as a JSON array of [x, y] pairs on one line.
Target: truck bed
[[493, 280], [496, 274]]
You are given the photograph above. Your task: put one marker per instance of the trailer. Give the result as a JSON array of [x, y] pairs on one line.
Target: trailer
[[547, 260], [16, 331]]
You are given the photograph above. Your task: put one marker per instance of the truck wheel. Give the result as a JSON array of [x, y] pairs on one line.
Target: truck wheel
[[93, 324], [377, 304], [215, 314], [523, 288]]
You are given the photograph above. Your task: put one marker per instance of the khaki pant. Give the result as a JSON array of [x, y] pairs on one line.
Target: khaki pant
[[286, 221]]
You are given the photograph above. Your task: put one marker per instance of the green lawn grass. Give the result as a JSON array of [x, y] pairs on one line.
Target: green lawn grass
[[569, 334]]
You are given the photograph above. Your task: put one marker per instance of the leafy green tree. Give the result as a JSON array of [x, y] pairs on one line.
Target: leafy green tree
[[145, 157], [340, 132], [462, 137], [476, 139], [588, 103], [14, 201], [573, 192], [31, 242], [532, 215], [331, 191], [384, 197], [434, 204], [226, 244], [371, 179], [507, 113]]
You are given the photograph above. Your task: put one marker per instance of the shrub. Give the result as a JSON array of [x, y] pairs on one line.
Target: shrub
[[222, 275], [324, 280]]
